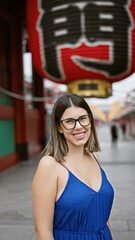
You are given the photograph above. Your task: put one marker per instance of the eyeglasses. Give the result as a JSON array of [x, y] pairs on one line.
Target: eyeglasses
[[70, 123]]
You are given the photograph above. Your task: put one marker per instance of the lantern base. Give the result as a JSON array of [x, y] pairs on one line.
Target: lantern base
[[91, 88]]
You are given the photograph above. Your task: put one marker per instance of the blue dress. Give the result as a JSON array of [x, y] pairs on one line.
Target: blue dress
[[81, 213]]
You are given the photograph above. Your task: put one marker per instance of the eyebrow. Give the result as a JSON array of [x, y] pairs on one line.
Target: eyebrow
[[75, 118]]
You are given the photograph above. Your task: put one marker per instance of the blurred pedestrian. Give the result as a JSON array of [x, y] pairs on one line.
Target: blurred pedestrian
[[123, 127], [114, 133]]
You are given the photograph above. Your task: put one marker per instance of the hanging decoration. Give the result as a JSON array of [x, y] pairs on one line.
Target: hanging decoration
[[87, 45]]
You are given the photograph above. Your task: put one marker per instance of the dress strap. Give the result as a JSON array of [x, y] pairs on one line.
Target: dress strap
[[96, 159], [64, 166]]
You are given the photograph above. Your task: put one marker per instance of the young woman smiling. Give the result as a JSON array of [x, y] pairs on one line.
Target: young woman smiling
[[72, 198]]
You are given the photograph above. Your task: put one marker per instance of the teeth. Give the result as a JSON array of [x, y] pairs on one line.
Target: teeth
[[79, 134]]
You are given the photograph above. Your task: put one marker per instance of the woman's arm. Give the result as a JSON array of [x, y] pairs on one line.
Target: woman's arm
[[44, 189], [108, 224]]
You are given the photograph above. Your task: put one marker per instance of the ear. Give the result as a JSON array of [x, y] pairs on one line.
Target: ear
[[59, 128]]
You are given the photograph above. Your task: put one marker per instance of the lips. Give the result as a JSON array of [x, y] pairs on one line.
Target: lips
[[79, 135]]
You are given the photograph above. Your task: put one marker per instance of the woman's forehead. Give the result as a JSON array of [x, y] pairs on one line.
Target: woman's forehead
[[74, 112]]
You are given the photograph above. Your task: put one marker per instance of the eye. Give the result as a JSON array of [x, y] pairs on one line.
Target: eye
[[69, 121], [83, 118]]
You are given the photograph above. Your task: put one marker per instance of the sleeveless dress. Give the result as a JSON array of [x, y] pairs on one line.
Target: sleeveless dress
[[81, 213]]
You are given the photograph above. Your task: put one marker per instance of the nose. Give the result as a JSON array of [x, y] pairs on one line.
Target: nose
[[78, 125]]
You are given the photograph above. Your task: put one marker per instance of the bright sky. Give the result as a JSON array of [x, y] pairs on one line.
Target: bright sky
[[27, 64], [119, 91]]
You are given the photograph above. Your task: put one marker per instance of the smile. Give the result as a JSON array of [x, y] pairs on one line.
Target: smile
[[79, 135]]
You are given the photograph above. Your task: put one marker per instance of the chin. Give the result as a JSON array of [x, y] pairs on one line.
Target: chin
[[81, 143]]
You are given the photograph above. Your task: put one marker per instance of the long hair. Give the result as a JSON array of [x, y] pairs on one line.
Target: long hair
[[57, 145]]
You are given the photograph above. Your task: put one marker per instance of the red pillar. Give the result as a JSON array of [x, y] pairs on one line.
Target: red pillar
[[17, 87]]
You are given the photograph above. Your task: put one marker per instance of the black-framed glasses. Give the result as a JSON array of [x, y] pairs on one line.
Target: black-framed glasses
[[70, 123]]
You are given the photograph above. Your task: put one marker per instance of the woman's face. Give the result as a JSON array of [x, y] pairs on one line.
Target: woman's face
[[79, 135]]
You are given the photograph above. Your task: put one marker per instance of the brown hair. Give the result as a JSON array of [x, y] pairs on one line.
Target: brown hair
[[57, 145]]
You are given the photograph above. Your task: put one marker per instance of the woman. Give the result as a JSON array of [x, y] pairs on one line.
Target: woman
[[72, 197]]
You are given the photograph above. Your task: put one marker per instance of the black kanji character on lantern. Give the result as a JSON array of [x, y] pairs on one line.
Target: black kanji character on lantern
[[59, 26], [106, 22]]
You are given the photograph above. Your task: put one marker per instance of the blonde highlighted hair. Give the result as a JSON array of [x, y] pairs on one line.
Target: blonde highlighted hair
[[57, 145]]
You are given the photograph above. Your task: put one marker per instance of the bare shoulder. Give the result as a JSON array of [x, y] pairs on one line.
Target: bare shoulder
[[47, 162], [47, 168]]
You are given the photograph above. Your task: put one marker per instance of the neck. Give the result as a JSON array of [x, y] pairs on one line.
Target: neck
[[75, 154]]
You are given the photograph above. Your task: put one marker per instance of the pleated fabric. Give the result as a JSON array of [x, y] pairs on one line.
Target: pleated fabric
[[81, 213]]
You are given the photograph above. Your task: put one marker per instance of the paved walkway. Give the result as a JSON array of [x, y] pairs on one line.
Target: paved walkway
[[16, 217], [119, 163]]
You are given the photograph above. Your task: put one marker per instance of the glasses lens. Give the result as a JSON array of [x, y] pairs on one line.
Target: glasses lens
[[84, 120], [69, 123]]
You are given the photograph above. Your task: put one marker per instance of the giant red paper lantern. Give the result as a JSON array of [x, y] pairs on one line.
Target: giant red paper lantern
[[87, 45]]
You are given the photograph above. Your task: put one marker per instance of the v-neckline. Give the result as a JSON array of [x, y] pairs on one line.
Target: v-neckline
[[87, 184]]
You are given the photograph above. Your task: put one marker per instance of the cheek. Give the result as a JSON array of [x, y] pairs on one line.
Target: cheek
[[65, 132], [89, 131]]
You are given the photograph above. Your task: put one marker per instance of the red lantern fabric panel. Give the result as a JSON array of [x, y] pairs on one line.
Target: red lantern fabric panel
[[72, 40]]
